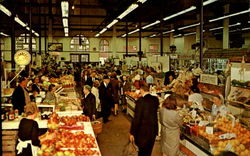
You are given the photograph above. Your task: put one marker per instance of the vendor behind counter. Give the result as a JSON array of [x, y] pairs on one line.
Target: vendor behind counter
[[20, 96]]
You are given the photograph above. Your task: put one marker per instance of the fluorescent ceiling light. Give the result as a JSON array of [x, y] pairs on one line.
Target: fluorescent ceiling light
[[232, 25], [124, 35], [112, 23], [133, 31], [97, 35], [66, 30], [103, 30], [36, 34], [231, 15], [28, 28], [20, 22], [142, 1], [149, 25], [180, 13], [5, 10], [130, 9], [217, 28], [166, 32], [248, 22], [208, 2], [189, 26], [33, 31], [246, 28], [65, 22], [65, 8], [184, 11], [66, 34], [152, 35], [1, 33], [192, 33], [177, 35]]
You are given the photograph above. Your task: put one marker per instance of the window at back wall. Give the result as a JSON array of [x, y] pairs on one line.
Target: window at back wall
[[22, 42], [104, 48], [79, 43]]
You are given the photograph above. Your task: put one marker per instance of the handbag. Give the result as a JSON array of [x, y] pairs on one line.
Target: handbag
[[131, 149]]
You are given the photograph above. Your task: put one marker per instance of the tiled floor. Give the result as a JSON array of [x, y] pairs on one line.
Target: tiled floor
[[114, 137]]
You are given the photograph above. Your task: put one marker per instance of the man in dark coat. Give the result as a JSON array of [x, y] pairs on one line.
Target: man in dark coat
[[20, 96], [106, 99], [89, 103], [144, 127]]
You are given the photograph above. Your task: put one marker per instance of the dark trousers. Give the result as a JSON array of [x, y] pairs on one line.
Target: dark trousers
[[147, 150], [106, 111]]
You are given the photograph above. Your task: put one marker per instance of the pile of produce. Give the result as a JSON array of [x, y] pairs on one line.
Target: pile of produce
[[238, 83], [67, 81], [59, 140], [72, 120], [67, 143], [133, 94], [239, 143], [55, 121]]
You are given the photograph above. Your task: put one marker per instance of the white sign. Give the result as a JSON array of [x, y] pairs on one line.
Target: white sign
[[209, 130], [210, 79]]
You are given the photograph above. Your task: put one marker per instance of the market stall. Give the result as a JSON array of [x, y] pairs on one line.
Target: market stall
[[62, 124]]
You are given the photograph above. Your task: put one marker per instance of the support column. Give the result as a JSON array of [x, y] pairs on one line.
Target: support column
[[40, 32], [126, 38], [171, 35], [50, 36], [226, 28], [140, 55], [45, 35], [197, 37], [39, 54], [13, 40], [30, 32], [161, 38], [201, 33], [114, 41]]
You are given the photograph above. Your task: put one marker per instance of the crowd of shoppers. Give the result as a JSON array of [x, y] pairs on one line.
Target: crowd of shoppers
[[103, 90]]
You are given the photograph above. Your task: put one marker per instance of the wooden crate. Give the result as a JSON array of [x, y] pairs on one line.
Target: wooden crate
[[9, 138]]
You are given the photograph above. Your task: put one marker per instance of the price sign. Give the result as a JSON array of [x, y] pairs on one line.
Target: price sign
[[209, 130]]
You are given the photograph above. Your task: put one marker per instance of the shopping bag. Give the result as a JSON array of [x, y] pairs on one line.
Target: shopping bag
[[131, 149]]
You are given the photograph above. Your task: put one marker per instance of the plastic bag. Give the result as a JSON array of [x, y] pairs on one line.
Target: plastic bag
[[131, 150]]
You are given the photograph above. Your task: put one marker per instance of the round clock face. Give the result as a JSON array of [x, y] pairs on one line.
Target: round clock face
[[22, 57]]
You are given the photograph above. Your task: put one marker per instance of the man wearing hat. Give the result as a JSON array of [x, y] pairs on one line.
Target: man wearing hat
[[106, 99]]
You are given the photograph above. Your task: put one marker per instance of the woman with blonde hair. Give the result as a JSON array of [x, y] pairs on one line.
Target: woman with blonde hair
[[170, 127], [28, 133]]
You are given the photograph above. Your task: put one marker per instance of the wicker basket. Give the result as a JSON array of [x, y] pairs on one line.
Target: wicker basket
[[97, 127]]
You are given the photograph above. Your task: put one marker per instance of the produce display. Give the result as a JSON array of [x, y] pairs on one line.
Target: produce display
[[190, 117], [61, 140], [67, 81], [226, 137], [66, 121], [67, 143], [133, 94], [244, 84], [211, 89], [72, 120], [240, 95]]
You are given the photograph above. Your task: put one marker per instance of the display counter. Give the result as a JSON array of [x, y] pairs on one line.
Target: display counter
[[130, 105], [194, 143]]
